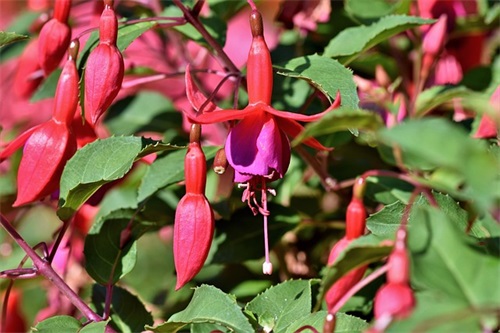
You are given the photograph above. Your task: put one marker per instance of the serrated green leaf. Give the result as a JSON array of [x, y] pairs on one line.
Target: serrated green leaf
[[62, 324], [369, 10], [277, 307], [326, 74], [457, 151], [341, 119], [388, 190], [344, 323], [237, 237], [348, 44], [128, 314], [360, 252], [99, 163], [7, 38], [107, 259], [167, 170], [208, 305], [447, 262]]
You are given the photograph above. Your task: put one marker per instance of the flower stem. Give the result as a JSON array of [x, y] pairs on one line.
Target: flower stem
[[44, 267]]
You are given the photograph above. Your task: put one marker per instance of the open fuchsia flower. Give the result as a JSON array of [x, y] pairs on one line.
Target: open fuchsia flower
[[48, 146], [257, 147]]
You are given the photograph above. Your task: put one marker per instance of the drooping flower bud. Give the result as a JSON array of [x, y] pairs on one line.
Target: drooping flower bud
[[356, 212], [55, 37], [66, 98], [395, 300], [28, 74], [259, 66], [104, 70], [433, 44], [194, 219]]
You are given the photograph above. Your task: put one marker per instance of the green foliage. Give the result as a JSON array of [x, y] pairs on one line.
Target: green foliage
[[7, 38], [99, 163], [347, 45]]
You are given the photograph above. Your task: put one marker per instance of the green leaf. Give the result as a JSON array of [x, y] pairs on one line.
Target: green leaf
[[208, 305], [360, 252], [167, 170], [325, 74], [94, 327], [277, 307], [386, 221], [145, 112], [10, 37], [128, 314], [341, 119], [236, 239], [446, 262], [60, 324], [388, 190], [440, 143], [348, 44], [107, 256], [344, 323], [99, 163], [369, 10]]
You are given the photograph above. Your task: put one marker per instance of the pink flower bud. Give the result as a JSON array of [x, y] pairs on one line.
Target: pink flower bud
[[104, 70], [66, 98], [28, 74], [355, 219], [395, 300], [434, 39], [54, 39]]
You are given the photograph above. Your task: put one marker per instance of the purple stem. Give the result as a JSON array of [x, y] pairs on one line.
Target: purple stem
[[44, 267]]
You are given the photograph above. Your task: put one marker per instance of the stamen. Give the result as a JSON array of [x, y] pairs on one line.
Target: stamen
[[267, 266]]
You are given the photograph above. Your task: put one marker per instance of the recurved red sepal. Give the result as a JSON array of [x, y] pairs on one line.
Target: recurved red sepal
[[53, 42], [103, 80], [193, 232], [395, 300], [355, 219], [44, 156]]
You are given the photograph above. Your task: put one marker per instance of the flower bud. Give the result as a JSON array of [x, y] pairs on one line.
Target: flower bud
[[220, 162], [27, 79], [66, 98], [104, 70], [355, 219], [54, 39], [395, 300], [195, 169], [44, 156]]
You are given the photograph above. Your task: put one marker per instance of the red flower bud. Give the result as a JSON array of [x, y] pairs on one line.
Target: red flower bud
[[399, 266], [44, 156], [55, 37], [66, 98], [194, 219], [342, 286], [259, 66], [355, 219], [394, 300], [104, 70]]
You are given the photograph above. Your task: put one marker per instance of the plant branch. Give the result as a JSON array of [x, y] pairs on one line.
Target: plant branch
[[45, 269]]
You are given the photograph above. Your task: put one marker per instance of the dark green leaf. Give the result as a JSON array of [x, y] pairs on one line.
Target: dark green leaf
[[99, 163], [167, 170], [441, 143], [110, 253], [325, 74], [342, 119], [208, 305], [60, 324], [128, 314], [277, 307], [387, 190], [237, 238], [348, 44], [10, 37], [94, 327]]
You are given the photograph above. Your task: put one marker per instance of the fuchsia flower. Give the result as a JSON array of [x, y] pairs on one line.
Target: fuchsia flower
[[48, 146], [257, 147]]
